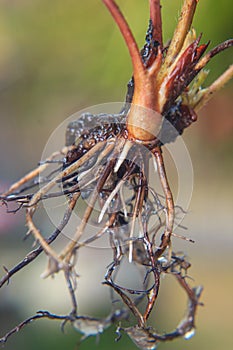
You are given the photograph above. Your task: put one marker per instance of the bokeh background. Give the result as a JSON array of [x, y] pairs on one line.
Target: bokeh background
[[58, 57]]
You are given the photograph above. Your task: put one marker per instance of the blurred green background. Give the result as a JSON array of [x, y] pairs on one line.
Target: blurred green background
[[58, 57]]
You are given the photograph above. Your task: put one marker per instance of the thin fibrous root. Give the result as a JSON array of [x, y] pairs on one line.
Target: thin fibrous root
[[35, 172], [68, 250], [117, 189], [122, 157], [34, 253], [55, 262], [170, 212], [128, 302], [73, 167]]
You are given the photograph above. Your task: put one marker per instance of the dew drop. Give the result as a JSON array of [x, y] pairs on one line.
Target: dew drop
[[189, 334]]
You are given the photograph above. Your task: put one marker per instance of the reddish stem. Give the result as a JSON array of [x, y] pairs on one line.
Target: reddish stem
[[142, 124], [215, 51], [156, 18], [138, 66]]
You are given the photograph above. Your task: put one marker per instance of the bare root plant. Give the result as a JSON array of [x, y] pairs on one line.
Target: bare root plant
[[106, 162]]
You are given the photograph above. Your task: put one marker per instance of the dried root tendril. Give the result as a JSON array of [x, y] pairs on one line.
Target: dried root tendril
[[142, 204]]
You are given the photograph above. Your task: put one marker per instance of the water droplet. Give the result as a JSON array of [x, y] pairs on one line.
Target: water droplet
[[189, 334]]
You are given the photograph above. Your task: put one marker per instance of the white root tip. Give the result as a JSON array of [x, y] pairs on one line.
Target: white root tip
[[122, 156]]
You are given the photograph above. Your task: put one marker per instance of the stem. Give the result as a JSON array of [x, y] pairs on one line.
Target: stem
[[216, 50], [213, 88], [138, 67], [156, 18], [183, 26], [139, 121]]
